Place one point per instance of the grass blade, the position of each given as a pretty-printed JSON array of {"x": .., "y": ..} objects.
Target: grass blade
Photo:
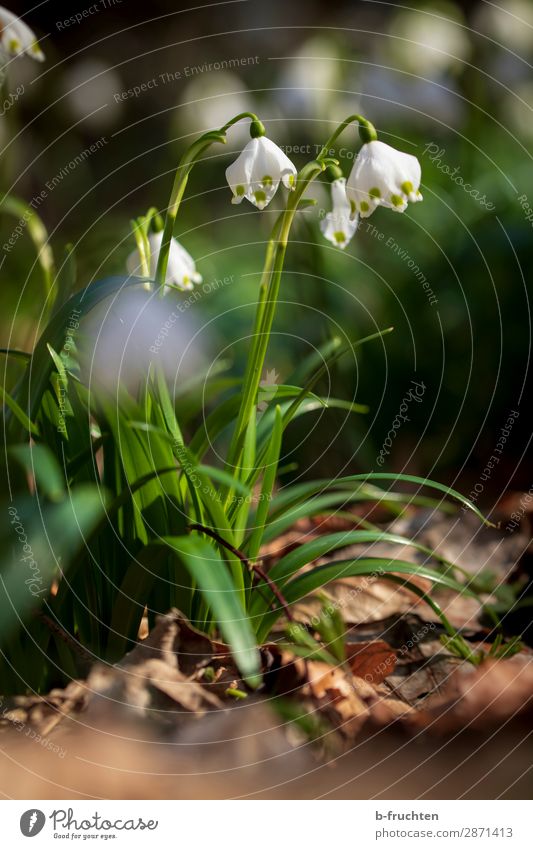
[{"x": 213, "y": 579}]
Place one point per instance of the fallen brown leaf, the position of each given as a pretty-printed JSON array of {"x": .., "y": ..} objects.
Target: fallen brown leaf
[
  {"x": 374, "y": 661},
  {"x": 484, "y": 697},
  {"x": 175, "y": 641},
  {"x": 361, "y": 600}
]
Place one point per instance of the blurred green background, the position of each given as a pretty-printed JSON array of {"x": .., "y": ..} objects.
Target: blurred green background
[{"x": 448, "y": 82}]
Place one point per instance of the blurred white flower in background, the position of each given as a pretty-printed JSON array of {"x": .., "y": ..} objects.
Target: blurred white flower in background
[
  {"x": 16, "y": 37},
  {"x": 510, "y": 23},
  {"x": 121, "y": 337},
  {"x": 398, "y": 97},
  {"x": 258, "y": 171},
  {"x": 317, "y": 84},
  {"x": 383, "y": 176},
  {"x": 429, "y": 39},
  {"x": 181, "y": 269},
  {"x": 338, "y": 225},
  {"x": 89, "y": 87},
  {"x": 309, "y": 79},
  {"x": 209, "y": 99}
]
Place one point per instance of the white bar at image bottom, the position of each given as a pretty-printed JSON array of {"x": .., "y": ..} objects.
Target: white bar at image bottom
[{"x": 269, "y": 824}]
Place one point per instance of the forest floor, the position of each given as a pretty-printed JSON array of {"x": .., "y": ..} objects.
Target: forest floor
[{"x": 403, "y": 717}]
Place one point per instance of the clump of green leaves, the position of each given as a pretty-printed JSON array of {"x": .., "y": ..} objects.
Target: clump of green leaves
[
  {"x": 125, "y": 513},
  {"x": 499, "y": 650}
]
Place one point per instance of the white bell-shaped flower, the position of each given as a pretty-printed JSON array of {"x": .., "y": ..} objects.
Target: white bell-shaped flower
[
  {"x": 383, "y": 176},
  {"x": 16, "y": 37},
  {"x": 338, "y": 226},
  {"x": 257, "y": 172},
  {"x": 181, "y": 268}
]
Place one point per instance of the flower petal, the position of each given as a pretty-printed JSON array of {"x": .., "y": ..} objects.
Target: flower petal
[
  {"x": 257, "y": 172},
  {"x": 280, "y": 163},
  {"x": 339, "y": 230},
  {"x": 17, "y": 37},
  {"x": 338, "y": 225},
  {"x": 383, "y": 176},
  {"x": 238, "y": 173},
  {"x": 181, "y": 268}
]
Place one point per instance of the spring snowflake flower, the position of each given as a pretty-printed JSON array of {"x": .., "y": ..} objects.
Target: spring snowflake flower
[
  {"x": 257, "y": 172},
  {"x": 383, "y": 176},
  {"x": 181, "y": 269},
  {"x": 16, "y": 37},
  {"x": 338, "y": 226}
]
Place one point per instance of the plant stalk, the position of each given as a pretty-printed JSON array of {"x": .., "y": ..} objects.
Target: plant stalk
[
  {"x": 266, "y": 309},
  {"x": 183, "y": 170}
]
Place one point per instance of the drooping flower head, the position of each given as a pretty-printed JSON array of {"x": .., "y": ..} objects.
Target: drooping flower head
[
  {"x": 338, "y": 225},
  {"x": 383, "y": 176},
  {"x": 181, "y": 269},
  {"x": 259, "y": 169},
  {"x": 16, "y": 37}
]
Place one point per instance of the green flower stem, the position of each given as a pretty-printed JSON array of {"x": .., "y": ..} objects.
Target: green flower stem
[
  {"x": 39, "y": 236},
  {"x": 266, "y": 309},
  {"x": 367, "y": 133},
  {"x": 270, "y": 283},
  {"x": 143, "y": 248},
  {"x": 251, "y": 115},
  {"x": 183, "y": 170},
  {"x": 263, "y": 291}
]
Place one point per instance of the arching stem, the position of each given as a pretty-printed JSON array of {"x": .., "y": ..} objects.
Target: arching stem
[
  {"x": 185, "y": 166},
  {"x": 367, "y": 133}
]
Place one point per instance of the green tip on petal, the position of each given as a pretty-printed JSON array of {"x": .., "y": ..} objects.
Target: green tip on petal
[
  {"x": 364, "y": 206},
  {"x": 374, "y": 193},
  {"x": 339, "y": 236},
  {"x": 266, "y": 180},
  {"x": 407, "y": 187},
  {"x": 260, "y": 197},
  {"x": 239, "y": 191},
  {"x": 397, "y": 200},
  {"x": 353, "y": 206}
]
